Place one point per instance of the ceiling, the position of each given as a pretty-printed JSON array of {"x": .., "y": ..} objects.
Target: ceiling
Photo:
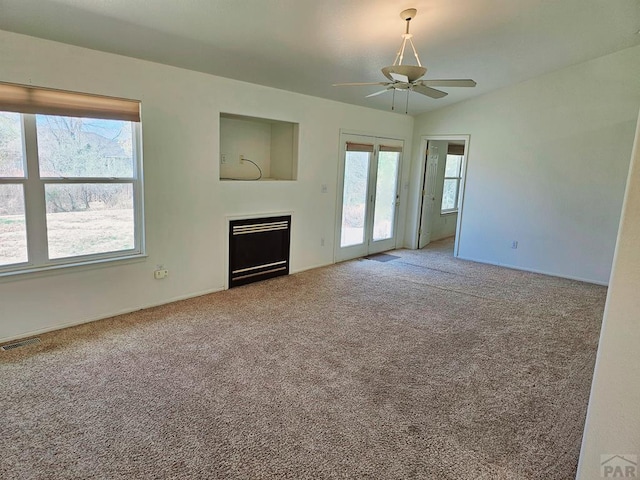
[{"x": 307, "y": 45}]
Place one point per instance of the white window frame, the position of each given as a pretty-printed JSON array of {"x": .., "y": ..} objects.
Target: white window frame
[
  {"x": 35, "y": 208},
  {"x": 458, "y": 179}
]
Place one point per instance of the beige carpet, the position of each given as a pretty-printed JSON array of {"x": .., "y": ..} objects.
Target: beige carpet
[{"x": 419, "y": 367}]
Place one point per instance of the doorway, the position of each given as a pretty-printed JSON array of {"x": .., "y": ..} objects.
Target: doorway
[
  {"x": 443, "y": 171},
  {"x": 369, "y": 190}
]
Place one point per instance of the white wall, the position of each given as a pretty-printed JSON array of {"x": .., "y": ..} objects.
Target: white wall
[
  {"x": 613, "y": 418},
  {"x": 186, "y": 204},
  {"x": 248, "y": 138},
  {"x": 284, "y": 147},
  {"x": 547, "y": 165}
]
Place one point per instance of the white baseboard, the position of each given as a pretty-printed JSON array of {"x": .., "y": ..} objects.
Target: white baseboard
[
  {"x": 320, "y": 265},
  {"x": 62, "y": 326},
  {"x": 532, "y": 270}
]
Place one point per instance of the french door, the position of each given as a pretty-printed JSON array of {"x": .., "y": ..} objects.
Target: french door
[{"x": 370, "y": 193}]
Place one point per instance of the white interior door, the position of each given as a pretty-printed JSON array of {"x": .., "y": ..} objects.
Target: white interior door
[
  {"x": 429, "y": 186},
  {"x": 369, "y": 195}
]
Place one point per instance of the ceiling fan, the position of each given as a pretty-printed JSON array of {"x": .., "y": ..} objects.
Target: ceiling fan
[{"x": 408, "y": 77}]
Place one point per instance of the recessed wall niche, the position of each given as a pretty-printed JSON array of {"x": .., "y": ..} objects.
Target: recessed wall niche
[{"x": 253, "y": 148}]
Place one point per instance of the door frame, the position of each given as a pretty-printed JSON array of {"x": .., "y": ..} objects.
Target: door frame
[
  {"x": 376, "y": 139},
  {"x": 422, "y": 152}
]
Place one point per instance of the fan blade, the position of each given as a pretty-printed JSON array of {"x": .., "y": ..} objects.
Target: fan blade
[
  {"x": 429, "y": 92},
  {"x": 449, "y": 83},
  {"x": 379, "y": 92},
  {"x": 358, "y": 84},
  {"x": 399, "y": 78}
]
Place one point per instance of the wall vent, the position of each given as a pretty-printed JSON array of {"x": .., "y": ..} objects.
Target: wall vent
[{"x": 22, "y": 343}]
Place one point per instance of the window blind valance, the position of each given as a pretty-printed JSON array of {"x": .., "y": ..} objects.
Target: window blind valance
[
  {"x": 359, "y": 147},
  {"x": 454, "y": 149},
  {"x": 387, "y": 148},
  {"x": 25, "y": 99},
  {"x": 365, "y": 147}
]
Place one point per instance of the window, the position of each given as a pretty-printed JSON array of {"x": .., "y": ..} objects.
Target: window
[
  {"x": 451, "y": 186},
  {"x": 70, "y": 178}
]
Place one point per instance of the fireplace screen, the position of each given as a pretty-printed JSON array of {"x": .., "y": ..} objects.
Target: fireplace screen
[{"x": 258, "y": 249}]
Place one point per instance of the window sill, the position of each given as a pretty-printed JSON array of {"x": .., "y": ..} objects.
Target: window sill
[
  {"x": 452, "y": 212},
  {"x": 76, "y": 266}
]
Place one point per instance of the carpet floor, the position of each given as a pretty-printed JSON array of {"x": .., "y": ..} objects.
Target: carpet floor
[{"x": 422, "y": 367}]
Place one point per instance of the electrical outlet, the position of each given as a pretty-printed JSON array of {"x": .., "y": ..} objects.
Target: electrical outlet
[
  {"x": 241, "y": 158},
  {"x": 223, "y": 158},
  {"x": 160, "y": 274},
  {"x": 324, "y": 188},
  {"x": 514, "y": 244},
  {"x": 322, "y": 242}
]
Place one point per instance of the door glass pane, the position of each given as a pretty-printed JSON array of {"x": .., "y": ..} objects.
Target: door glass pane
[
  {"x": 84, "y": 147},
  {"x": 84, "y": 219},
  {"x": 449, "y": 194},
  {"x": 386, "y": 189},
  {"x": 11, "y": 159},
  {"x": 13, "y": 231},
  {"x": 354, "y": 198}
]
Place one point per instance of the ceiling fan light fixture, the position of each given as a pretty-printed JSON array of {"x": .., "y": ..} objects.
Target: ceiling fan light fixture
[
  {"x": 412, "y": 72},
  {"x": 408, "y": 77}
]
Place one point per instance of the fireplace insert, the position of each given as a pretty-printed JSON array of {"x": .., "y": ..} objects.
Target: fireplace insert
[{"x": 258, "y": 249}]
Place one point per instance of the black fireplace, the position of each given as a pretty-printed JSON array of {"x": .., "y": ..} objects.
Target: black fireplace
[{"x": 258, "y": 249}]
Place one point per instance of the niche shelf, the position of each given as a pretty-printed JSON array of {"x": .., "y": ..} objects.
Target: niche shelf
[{"x": 271, "y": 144}]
